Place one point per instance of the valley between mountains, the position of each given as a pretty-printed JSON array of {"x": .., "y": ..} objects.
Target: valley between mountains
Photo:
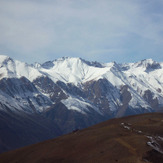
[{"x": 43, "y": 101}]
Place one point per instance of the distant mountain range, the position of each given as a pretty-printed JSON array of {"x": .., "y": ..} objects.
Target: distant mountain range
[{"x": 66, "y": 94}]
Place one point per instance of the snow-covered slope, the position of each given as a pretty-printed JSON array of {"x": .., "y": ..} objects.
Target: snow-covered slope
[
  {"x": 71, "y": 93},
  {"x": 10, "y": 68},
  {"x": 78, "y": 84},
  {"x": 140, "y": 77},
  {"x": 72, "y": 70}
]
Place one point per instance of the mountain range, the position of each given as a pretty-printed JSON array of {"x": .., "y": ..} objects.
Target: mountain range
[{"x": 43, "y": 101}]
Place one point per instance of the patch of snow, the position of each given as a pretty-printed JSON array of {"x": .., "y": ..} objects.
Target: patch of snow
[
  {"x": 125, "y": 126},
  {"x": 140, "y": 77},
  {"x": 79, "y": 105},
  {"x": 161, "y": 138},
  {"x": 154, "y": 144}
]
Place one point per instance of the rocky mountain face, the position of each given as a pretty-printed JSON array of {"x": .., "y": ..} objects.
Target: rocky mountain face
[{"x": 72, "y": 93}]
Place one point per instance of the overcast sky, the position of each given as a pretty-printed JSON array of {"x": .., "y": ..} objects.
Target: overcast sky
[{"x": 101, "y": 30}]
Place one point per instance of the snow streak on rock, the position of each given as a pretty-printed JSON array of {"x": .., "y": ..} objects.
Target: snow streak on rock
[{"x": 103, "y": 87}]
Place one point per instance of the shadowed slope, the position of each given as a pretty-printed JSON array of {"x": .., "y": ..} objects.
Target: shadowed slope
[
  {"x": 18, "y": 130},
  {"x": 124, "y": 140}
]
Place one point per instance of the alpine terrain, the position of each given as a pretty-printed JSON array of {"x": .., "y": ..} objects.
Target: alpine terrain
[{"x": 43, "y": 101}]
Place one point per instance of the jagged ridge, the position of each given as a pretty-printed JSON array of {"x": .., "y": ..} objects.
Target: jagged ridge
[{"x": 75, "y": 93}]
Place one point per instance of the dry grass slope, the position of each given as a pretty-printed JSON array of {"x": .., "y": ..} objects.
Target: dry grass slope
[{"x": 121, "y": 140}]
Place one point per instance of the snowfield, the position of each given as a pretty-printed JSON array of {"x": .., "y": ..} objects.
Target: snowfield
[{"x": 139, "y": 77}]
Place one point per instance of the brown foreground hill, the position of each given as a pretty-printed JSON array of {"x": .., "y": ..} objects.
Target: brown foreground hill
[{"x": 134, "y": 139}]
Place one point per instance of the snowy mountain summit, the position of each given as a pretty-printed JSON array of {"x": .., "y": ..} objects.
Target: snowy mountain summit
[
  {"x": 88, "y": 82},
  {"x": 67, "y": 88},
  {"x": 66, "y": 94}
]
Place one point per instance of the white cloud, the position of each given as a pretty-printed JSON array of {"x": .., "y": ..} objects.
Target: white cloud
[{"x": 89, "y": 29}]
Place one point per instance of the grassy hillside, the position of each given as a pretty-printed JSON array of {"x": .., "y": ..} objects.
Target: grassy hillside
[{"x": 121, "y": 140}]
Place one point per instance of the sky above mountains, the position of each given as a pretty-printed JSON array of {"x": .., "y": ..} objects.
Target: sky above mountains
[{"x": 103, "y": 30}]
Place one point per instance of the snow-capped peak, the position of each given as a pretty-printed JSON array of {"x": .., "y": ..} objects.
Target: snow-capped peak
[
  {"x": 148, "y": 64},
  {"x": 4, "y": 59},
  {"x": 10, "y": 68},
  {"x": 73, "y": 70},
  {"x": 139, "y": 77}
]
